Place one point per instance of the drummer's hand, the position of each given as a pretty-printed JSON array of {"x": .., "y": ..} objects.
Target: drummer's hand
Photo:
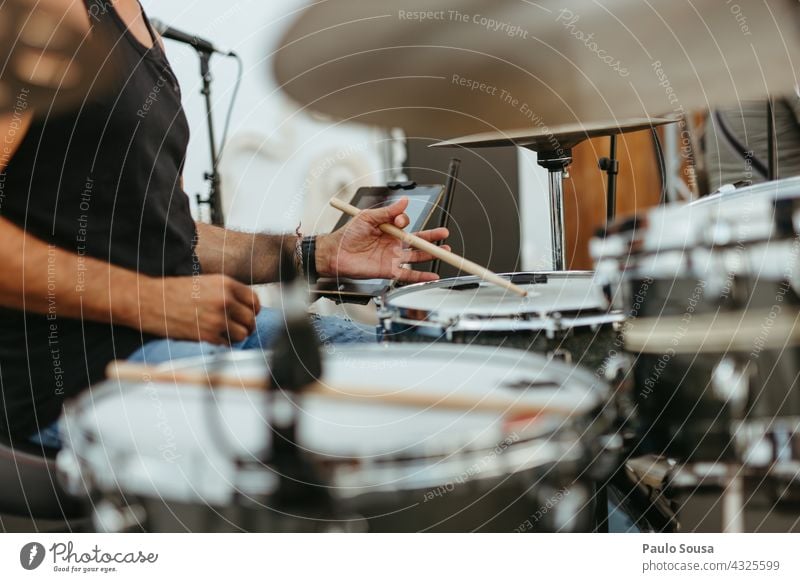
[
  {"x": 210, "y": 308},
  {"x": 360, "y": 249}
]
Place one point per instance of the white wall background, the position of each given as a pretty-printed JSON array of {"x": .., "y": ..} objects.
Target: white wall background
[
  {"x": 281, "y": 165},
  {"x": 534, "y": 202}
]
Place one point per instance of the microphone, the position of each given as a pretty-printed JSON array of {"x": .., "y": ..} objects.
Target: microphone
[{"x": 200, "y": 44}]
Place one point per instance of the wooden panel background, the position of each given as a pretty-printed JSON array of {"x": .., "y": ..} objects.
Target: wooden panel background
[{"x": 638, "y": 187}]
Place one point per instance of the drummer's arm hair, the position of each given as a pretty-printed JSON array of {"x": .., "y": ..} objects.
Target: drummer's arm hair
[
  {"x": 250, "y": 258},
  {"x": 42, "y": 278}
]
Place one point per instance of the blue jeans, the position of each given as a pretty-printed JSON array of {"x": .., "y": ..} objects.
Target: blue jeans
[{"x": 268, "y": 323}]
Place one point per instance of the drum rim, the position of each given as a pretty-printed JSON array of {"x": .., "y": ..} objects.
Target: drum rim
[
  {"x": 80, "y": 410},
  {"x": 776, "y": 187},
  {"x": 384, "y": 348},
  {"x": 539, "y": 320},
  {"x": 472, "y": 278}
]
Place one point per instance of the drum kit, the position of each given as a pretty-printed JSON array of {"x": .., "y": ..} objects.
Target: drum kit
[{"x": 669, "y": 369}]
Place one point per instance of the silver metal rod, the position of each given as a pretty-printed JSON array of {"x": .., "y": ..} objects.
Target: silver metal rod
[
  {"x": 557, "y": 217},
  {"x": 733, "y": 502}
]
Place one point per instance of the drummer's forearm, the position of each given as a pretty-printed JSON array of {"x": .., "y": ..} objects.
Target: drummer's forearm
[{"x": 251, "y": 258}]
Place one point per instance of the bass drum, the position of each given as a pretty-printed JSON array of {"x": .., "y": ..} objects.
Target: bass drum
[
  {"x": 178, "y": 456},
  {"x": 565, "y": 315}
]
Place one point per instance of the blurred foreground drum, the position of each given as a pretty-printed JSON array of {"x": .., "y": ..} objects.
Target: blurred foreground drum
[
  {"x": 710, "y": 290},
  {"x": 167, "y": 456},
  {"x": 565, "y": 315}
]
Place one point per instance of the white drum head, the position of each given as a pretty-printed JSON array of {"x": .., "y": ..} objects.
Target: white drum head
[
  {"x": 183, "y": 441},
  {"x": 468, "y": 296}
]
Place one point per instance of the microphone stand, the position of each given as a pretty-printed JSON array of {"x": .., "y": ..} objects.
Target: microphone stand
[{"x": 214, "y": 197}]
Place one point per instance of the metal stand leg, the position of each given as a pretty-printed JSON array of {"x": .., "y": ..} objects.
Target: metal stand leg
[
  {"x": 557, "y": 218},
  {"x": 733, "y": 502},
  {"x": 772, "y": 141},
  {"x": 214, "y": 198},
  {"x": 447, "y": 203},
  {"x": 600, "y": 507},
  {"x": 610, "y": 166},
  {"x": 556, "y": 163}
]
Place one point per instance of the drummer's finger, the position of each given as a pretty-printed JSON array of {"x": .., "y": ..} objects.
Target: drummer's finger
[
  {"x": 434, "y": 234},
  {"x": 413, "y": 256},
  {"x": 410, "y": 276}
]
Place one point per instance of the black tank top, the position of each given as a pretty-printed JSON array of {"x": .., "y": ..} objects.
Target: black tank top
[{"x": 105, "y": 182}]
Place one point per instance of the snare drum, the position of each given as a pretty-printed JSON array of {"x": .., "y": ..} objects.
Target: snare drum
[
  {"x": 565, "y": 315},
  {"x": 710, "y": 290},
  {"x": 167, "y": 457}
]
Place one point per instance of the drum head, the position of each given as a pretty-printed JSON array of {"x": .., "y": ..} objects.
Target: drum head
[
  {"x": 185, "y": 440},
  {"x": 562, "y": 292}
]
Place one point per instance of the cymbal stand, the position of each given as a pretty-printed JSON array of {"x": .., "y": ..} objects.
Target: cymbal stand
[
  {"x": 447, "y": 202},
  {"x": 556, "y": 163},
  {"x": 610, "y": 165},
  {"x": 772, "y": 141}
]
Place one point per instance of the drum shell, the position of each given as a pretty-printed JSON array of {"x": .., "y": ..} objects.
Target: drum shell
[
  {"x": 679, "y": 411},
  {"x": 585, "y": 346},
  {"x": 500, "y": 506},
  {"x": 392, "y": 492},
  {"x": 584, "y": 338}
]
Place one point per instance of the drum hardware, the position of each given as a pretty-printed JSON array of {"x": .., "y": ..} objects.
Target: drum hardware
[
  {"x": 772, "y": 141},
  {"x": 610, "y": 165},
  {"x": 447, "y": 203},
  {"x": 730, "y": 382},
  {"x": 296, "y": 365},
  {"x": 733, "y": 503},
  {"x": 446, "y": 256},
  {"x": 643, "y": 502},
  {"x": 711, "y": 292},
  {"x": 668, "y": 480},
  {"x": 561, "y": 355},
  {"x": 109, "y": 517},
  {"x": 553, "y": 146}
]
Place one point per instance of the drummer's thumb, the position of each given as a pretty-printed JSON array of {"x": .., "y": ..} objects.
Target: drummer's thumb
[{"x": 392, "y": 214}]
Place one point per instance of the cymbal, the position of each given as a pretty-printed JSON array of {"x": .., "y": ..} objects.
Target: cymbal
[
  {"x": 49, "y": 58},
  {"x": 552, "y": 138},
  {"x": 440, "y": 68}
]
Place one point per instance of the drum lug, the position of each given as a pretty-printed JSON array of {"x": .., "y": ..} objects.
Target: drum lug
[
  {"x": 616, "y": 368},
  {"x": 385, "y": 317},
  {"x": 563, "y": 355},
  {"x": 731, "y": 384},
  {"x": 112, "y": 519},
  {"x": 567, "y": 511},
  {"x": 69, "y": 474}
]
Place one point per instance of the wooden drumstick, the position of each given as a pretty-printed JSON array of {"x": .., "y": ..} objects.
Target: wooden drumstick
[
  {"x": 505, "y": 405},
  {"x": 438, "y": 252}
]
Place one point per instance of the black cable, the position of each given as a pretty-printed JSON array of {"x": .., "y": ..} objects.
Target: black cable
[{"x": 237, "y": 85}]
